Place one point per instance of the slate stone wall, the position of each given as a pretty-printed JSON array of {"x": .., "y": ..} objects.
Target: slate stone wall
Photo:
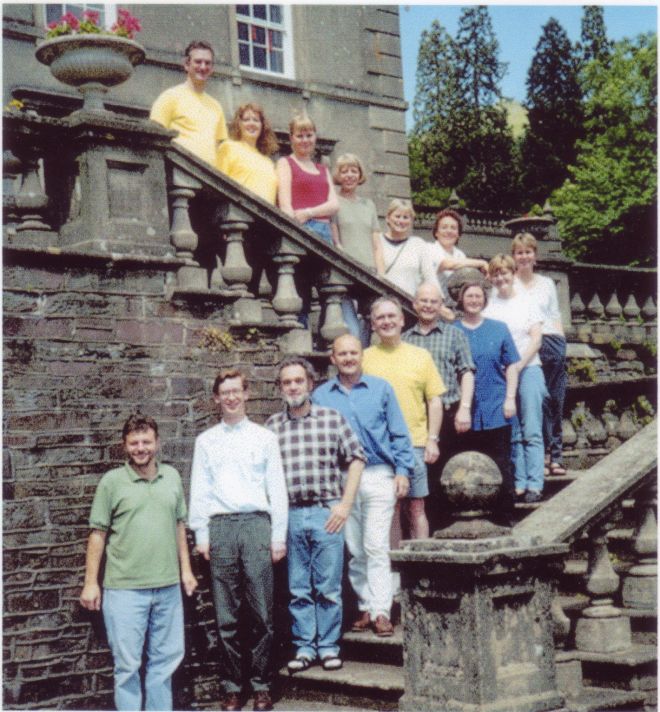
[{"x": 85, "y": 345}]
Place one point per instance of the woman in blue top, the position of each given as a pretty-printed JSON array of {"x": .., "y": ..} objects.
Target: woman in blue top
[{"x": 495, "y": 384}]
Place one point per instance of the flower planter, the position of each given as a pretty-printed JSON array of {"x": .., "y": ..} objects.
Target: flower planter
[{"x": 92, "y": 62}]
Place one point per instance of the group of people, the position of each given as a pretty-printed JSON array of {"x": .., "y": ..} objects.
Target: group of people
[{"x": 353, "y": 462}]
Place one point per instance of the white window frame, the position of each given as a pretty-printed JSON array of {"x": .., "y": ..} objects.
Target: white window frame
[
  {"x": 109, "y": 11},
  {"x": 286, "y": 29}
]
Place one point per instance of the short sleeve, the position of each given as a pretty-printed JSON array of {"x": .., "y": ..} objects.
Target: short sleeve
[
  {"x": 375, "y": 225},
  {"x": 161, "y": 110},
  {"x": 509, "y": 352},
  {"x": 101, "y": 513},
  {"x": 434, "y": 385}
]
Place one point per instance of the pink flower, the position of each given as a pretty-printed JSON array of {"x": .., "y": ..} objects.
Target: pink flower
[
  {"x": 92, "y": 16},
  {"x": 52, "y": 25},
  {"x": 71, "y": 20}
]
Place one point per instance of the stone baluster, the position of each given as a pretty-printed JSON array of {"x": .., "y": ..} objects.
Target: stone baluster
[
  {"x": 287, "y": 302},
  {"x": 182, "y": 236},
  {"x": 579, "y": 318},
  {"x": 649, "y": 314},
  {"x": 640, "y": 585},
  {"x": 31, "y": 201},
  {"x": 332, "y": 290},
  {"x": 614, "y": 312},
  {"x": 601, "y": 627},
  {"x": 600, "y": 331},
  {"x": 631, "y": 313},
  {"x": 235, "y": 271},
  {"x": 11, "y": 174}
]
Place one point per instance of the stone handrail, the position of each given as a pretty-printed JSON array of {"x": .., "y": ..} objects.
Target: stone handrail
[
  {"x": 100, "y": 183},
  {"x": 591, "y": 497}
]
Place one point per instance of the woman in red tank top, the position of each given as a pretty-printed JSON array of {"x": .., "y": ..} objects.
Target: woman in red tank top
[{"x": 305, "y": 189}]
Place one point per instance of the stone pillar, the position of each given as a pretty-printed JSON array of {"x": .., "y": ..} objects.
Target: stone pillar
[
  {"x": 118, "y": 202},
  {"x": 236, "y": 272},
  {"x": 332, "y": 290},
  {"x": 182, "y": 236},
  {"x": 640, "y": 584},
  {"x": 601, "y": 627},
  {"x": 476, "y": 610}
]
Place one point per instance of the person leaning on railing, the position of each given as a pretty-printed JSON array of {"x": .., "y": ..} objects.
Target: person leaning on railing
[
  {"x": 245, "y": 156},
  {"x": 355, "y": 230}
]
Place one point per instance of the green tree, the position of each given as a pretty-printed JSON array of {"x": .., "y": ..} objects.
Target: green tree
[
  {"x": 593, "y": 37},
  {"x": 554, "y": 104},
  {"x": 461, "y": 137},
  {"x": 607, "y": 208}
]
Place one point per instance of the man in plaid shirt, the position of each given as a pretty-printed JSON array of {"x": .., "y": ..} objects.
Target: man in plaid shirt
[{"x": 317, "y": 447}]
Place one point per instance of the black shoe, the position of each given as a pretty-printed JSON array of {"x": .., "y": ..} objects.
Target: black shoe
[
  {"x": 531, "y": 497},
  {"x": 231, "y": 702}
]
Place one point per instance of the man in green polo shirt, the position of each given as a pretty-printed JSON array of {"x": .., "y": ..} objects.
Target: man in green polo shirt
[{"x": 137, "y": 518}]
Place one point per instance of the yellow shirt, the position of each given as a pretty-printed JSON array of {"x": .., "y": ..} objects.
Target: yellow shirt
[
  {"x": 247, "y": 166},
  {"x": 198, "y": 118},
  {"x": 411, "y": 372}
]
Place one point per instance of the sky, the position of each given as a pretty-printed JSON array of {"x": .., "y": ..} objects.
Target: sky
[{"x": 518, "y": 30}]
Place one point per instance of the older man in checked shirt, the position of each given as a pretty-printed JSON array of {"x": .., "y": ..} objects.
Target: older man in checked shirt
[{"x": 316, "y": 444}]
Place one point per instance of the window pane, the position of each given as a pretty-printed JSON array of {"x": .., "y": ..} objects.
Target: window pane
[
  {"x": 259, "y": 11},
  {"x": 244, "y": 53},
  {"x": 260, "y": 57},
  {"x": 243, "y": 10},
  {"x": 276, "y": 62},
  {"x": 275, "y": 39},
  {"x": 53, "y": 13},
  {"x": 243, "y": 32},
  {"x": 258, "y": 35},
  {"x": 276, "y": 13}
]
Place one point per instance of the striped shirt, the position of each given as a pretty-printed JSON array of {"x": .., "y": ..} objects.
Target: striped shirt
[{"x": 315, "y": 448}]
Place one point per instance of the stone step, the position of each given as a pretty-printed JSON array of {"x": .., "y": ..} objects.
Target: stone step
[
  {"x": 595, "y": 699},
  {"x": 359, "y": 684}
]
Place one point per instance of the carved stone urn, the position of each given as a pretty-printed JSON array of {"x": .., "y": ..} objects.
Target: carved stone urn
[{"x": 91, "y": 62}]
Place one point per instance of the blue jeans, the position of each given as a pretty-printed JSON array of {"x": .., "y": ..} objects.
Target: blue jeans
[
  {"x": 527, "y": 431},
  {"x": 130, "y": 615},
  {"x": 315, "y": 564},
  {"x": 349, "y": 314},
  {"x": 322, "y": 229}
]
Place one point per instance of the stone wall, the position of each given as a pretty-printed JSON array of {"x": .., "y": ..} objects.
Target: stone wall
[{"x": 86, "y": 343}]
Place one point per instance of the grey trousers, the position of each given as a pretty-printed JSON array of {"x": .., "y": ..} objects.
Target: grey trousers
[{"x": 242, "y": 573}]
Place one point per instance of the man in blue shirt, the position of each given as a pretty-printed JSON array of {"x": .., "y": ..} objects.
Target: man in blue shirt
[{"x": 369, "y": 405}]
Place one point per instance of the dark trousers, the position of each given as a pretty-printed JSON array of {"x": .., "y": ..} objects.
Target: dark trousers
[
  {"x": 242, "y": 573},
  {"x": 553, "y": 361}
]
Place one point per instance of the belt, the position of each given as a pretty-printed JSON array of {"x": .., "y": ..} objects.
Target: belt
[{"x": 308, "y": 503}]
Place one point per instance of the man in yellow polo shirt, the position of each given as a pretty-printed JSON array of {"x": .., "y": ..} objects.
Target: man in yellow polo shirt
[
  {"x": 411, "y": 372},
  {"x": 188, "y": 109}
]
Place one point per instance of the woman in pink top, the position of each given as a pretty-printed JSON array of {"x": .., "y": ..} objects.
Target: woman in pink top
[{"x": 305, "y": 190}]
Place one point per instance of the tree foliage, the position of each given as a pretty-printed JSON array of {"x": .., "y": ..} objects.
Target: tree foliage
[
  {"x": 607, "y": 208},
  {"x": 554, "y": 104},
  {"x": 593, "y": 37}
]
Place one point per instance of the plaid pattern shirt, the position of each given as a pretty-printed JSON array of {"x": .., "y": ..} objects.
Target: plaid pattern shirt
[
  {"x": 314, "y": 450},
  {"x": 451, "y": 353}
]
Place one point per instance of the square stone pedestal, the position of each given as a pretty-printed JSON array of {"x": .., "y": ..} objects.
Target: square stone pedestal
[{"x": 477, "y": 625}]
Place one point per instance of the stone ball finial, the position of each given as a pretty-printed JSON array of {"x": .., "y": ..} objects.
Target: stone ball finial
[
  {"x": 461, "y": 276},
  {"x": 471, "y": 483}
]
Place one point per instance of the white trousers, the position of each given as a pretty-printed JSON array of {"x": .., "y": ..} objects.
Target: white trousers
[{"x": 368, "y": 540}]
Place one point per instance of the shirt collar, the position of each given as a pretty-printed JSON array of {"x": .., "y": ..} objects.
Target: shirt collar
[
  {"x": 313, "y": 412},
  {"x": 232, "y": 428},
  {"x": 135, "y": 477},
  {"x": 439, "y": 327},
  {"x": 337, "y": 385}
]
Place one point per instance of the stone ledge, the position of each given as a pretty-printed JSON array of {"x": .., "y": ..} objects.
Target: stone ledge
[{"x": 636, "y": 655}]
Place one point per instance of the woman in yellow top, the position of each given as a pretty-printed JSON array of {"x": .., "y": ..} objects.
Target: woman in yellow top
[{"x": 245, "y": 156}]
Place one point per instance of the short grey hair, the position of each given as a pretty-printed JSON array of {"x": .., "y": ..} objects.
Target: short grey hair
[
  {"x": 384, "y": 300},
  {"x": 297, "y": 361}
]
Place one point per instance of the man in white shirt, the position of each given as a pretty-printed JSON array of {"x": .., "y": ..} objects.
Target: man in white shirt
[{"x": 239, "y": 511}]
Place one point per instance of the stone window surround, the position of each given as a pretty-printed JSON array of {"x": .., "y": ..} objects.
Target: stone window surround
[{"x": 285, "y": 28}]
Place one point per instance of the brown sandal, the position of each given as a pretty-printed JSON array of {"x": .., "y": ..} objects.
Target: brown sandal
[{"x": 557, "y": 469}]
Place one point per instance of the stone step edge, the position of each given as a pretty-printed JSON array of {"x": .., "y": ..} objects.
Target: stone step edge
[
  {"x": 593, "y": 699},
  {"x": 387, "y": 679}
]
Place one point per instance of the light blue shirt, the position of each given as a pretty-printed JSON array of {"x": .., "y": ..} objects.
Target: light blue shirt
[
  {"x": 237, "y": 468},
  {"x": 373, "y": 412}
]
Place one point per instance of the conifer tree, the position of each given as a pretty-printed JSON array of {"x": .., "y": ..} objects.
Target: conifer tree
[
  {"x": 593, "y": 37},
  {"x": 554, "y": 104}
]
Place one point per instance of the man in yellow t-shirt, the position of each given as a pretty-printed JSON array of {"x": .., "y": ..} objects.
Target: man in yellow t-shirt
[
  {"x": 188, "y": 109},
  {"x": 413, "y": 375}
]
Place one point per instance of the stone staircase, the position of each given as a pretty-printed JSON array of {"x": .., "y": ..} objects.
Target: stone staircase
[{"x": 373, "y": 674}]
